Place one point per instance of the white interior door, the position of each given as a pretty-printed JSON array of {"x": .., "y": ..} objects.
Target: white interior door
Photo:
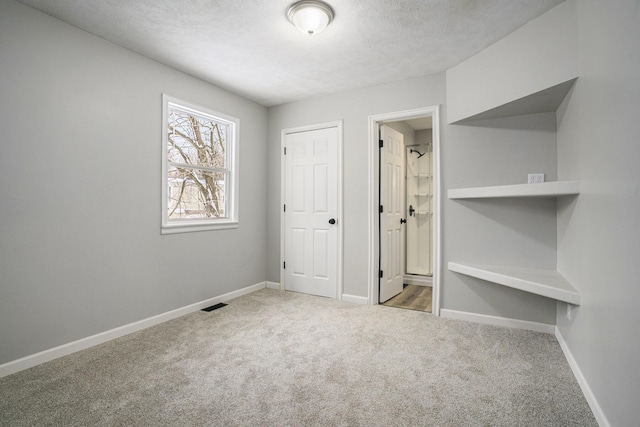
[
  {"x": 311, "y": 209},
  {"x": 392, "y": 219}
]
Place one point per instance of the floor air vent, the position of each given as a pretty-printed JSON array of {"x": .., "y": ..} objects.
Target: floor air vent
[{"x": 214, "y": 307}]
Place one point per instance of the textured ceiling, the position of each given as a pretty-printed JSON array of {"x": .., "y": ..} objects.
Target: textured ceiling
[{"x": 249, "y": 47}]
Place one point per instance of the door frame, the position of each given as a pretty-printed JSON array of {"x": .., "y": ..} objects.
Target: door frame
[
  {"x": 374, "y": 199},
  {"x": 339, "y": 215}
]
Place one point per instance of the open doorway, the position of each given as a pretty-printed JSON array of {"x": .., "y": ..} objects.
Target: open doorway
[
  {"x": 404, "y": 233},
  {"x": 414, "y": 249}
]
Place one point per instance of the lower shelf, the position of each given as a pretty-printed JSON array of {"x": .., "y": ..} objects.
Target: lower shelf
[{"x": 548, "y": 283}]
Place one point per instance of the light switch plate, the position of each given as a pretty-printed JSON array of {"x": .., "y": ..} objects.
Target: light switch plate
[{"x": 536, "y": 178}]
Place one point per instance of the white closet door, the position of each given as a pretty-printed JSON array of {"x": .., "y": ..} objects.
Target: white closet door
[{"x": 311, "y": 222}]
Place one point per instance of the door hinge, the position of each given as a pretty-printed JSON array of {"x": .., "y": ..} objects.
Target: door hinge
[
  {"x": 381, "y": 274},
  {"x": 381, "y": 143},
  {"x": 285, "y": 151},
  {"x": 381, "y": 209},
  {"x": 285, "y": 208},
  {"x": 284, "y": 264}
]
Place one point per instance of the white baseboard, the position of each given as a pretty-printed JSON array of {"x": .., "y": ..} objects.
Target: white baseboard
[
  {"x": 498, "y": 321},
  {"x": 355, "y": 299},
  {"x": 84, "y": 343},
  {"x": 584, "y": 386},
  {"x": 412, "y": 279},
  {"x": 274, "y": 285}
]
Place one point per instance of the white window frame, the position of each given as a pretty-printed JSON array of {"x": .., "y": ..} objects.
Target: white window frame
[{"x": 231, "y": 187}]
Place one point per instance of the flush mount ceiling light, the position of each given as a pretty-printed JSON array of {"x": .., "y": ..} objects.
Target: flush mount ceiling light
[{"x": 310, "y": 16}]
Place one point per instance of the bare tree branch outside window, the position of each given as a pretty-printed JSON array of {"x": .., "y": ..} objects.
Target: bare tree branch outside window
[{"x": 197, "y": 169}]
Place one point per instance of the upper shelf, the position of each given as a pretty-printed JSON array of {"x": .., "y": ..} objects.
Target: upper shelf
[
  {"x": 545, "y": 189},
  {"x": 527, "y": 72},
  {"x": 548, "y": 283},
  {"x": 544, "y": 101}
]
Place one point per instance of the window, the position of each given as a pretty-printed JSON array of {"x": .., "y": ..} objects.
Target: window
[{"x": 199, "y": 168}]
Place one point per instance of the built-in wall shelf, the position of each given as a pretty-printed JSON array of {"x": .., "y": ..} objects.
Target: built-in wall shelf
[
  {"x": 545, "y": 189},
  {"x": 548, "y": 283},
  {"x": 547, "y": 100}
]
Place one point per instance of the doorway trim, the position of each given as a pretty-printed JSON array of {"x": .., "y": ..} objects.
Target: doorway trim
[
  {"x": 340, "y": 216},
  {"x": 374, "y": 198}
]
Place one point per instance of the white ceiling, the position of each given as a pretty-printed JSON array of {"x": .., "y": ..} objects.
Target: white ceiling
[
  {"x": 250, "y": 48},
  {"x": 421, "y": 123}
]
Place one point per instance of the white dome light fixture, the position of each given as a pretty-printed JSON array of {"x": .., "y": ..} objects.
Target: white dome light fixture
[{"x": 310, "y": 16}]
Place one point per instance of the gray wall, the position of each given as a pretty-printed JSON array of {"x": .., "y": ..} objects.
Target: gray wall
[
  {"x": 513, "y": 232},
  {"x": 354, "y": 107},
  {"x": 536, "y": 56},
  {"x": 80, "y": 187},
  {"x": 80, "y": 149},
  {"x": 599, "y": 231},
  {"x": 488, "y": 153}
]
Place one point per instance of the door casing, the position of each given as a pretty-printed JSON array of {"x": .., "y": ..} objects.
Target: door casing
[
  {"x": 339, "y": 125},
  {"x": 374, "y": 199}
]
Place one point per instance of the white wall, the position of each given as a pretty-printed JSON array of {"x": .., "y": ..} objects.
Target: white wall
[
  {"x": 424, "y": 136},
  {"x": 409, "y": 135},
  {"x": 599, "y": 232},
  {"x": 80, "y": 187}
]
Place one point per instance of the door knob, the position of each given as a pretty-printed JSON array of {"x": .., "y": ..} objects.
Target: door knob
[
  {"x": 403, "y": 221},
  {"x": 332, "y": 221}
]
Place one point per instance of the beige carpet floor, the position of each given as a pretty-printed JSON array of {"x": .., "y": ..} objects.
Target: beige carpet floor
[{"x": 276, "y": 358}]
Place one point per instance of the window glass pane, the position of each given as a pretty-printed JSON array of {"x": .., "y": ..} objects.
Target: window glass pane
[
  {"x": 196, "y": 140},
  {"x": 196, "y": 194}
]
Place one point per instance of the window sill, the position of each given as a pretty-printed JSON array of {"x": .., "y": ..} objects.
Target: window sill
[{"x": 189, "y": 227}]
